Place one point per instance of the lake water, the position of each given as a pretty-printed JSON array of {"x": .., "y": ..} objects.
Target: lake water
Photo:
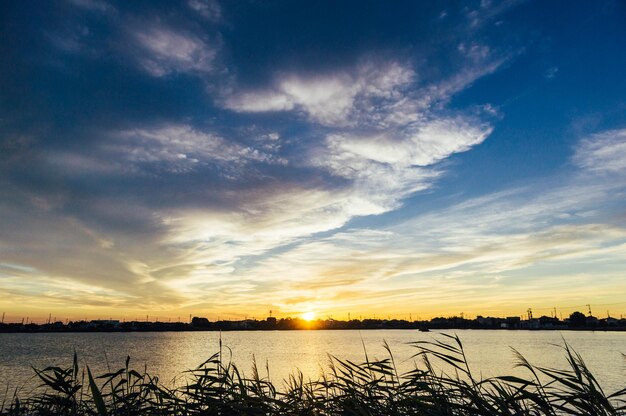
[{"x": 167, "y": 354}]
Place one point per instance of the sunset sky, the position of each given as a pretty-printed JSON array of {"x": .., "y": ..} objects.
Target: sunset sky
[{"x": 373, "y": 158}]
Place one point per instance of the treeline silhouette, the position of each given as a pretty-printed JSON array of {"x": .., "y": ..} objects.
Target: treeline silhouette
[{"x": 576, "y": 320}]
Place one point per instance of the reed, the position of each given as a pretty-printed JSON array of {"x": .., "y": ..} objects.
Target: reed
[{"x": 442, "y": 383}]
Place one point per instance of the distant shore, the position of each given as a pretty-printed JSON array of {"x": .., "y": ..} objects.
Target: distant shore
[{"x": 576, "y": 322}]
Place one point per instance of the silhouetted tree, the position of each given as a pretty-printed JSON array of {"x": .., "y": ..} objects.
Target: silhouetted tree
[
  {"x": 577, "y": 319},
  {"x": 200, "y": 322}
]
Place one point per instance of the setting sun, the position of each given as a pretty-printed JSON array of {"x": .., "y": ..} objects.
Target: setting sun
[{"x": 308, "y": 316}]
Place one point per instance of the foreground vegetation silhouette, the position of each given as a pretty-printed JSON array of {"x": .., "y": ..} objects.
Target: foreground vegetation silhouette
[{"x": 440, "y": 384}]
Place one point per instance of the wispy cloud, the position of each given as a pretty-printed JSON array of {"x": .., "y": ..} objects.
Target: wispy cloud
[
  {"x": 488, "y": 11},
  {"x": 333, "y": 99},
  {"x": 100, "y": 6},
  {"x": 169, "y": 148},
  {"x": 181, "y": 148},
  {"x": 209, "y": 9},
  {"x": 162, "y": 51},
  {"x": 603, "y": 152},
  {"x": 385, "y": 169}
]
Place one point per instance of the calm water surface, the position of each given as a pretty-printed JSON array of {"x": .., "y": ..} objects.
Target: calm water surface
[{"x": 170, "y": 353}]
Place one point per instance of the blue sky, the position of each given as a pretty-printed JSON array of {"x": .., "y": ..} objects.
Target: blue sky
[{"x": 228, "y": 158}]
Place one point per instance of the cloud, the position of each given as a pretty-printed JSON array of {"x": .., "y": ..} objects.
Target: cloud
[
  {"x": 93, "y": 5},
  {"x": 488, "y": 11},
  {"x": 551, "y": 72},
  {"x": 425, "y": 144},
  {"x": 171, "y": 148},
  {"x": 603, "y": 152},
  {"x": 385, "y": 169},
  {"x": 209, "y": 9},
  {"x": 334, "y": 99},
  {"x": 161, "y": 51},
  {"x": 158, "y": 46},
  {"x": 60, "y": 256},
  {"x": 182, "y": 148}
]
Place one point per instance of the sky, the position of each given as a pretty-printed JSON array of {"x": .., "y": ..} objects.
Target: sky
[{"x": 389, "y": 160}]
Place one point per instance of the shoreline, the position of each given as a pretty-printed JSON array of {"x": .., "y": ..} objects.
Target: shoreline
[{"x": 77, "y": 331}]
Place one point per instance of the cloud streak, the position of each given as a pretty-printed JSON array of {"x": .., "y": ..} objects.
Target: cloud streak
[
  {"x": 162, "y": 51},
  {"x": 342, "y": 98},
  {"x": 603, "y": 152}
]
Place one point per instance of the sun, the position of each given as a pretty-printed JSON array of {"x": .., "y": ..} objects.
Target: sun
[{"x": 308, "y": 316}]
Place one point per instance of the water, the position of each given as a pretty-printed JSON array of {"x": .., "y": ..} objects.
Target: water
[{"x": 170, "y": 353}]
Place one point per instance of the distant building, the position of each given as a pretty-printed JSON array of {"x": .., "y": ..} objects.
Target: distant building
[{"x": 548, "y": 322}]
